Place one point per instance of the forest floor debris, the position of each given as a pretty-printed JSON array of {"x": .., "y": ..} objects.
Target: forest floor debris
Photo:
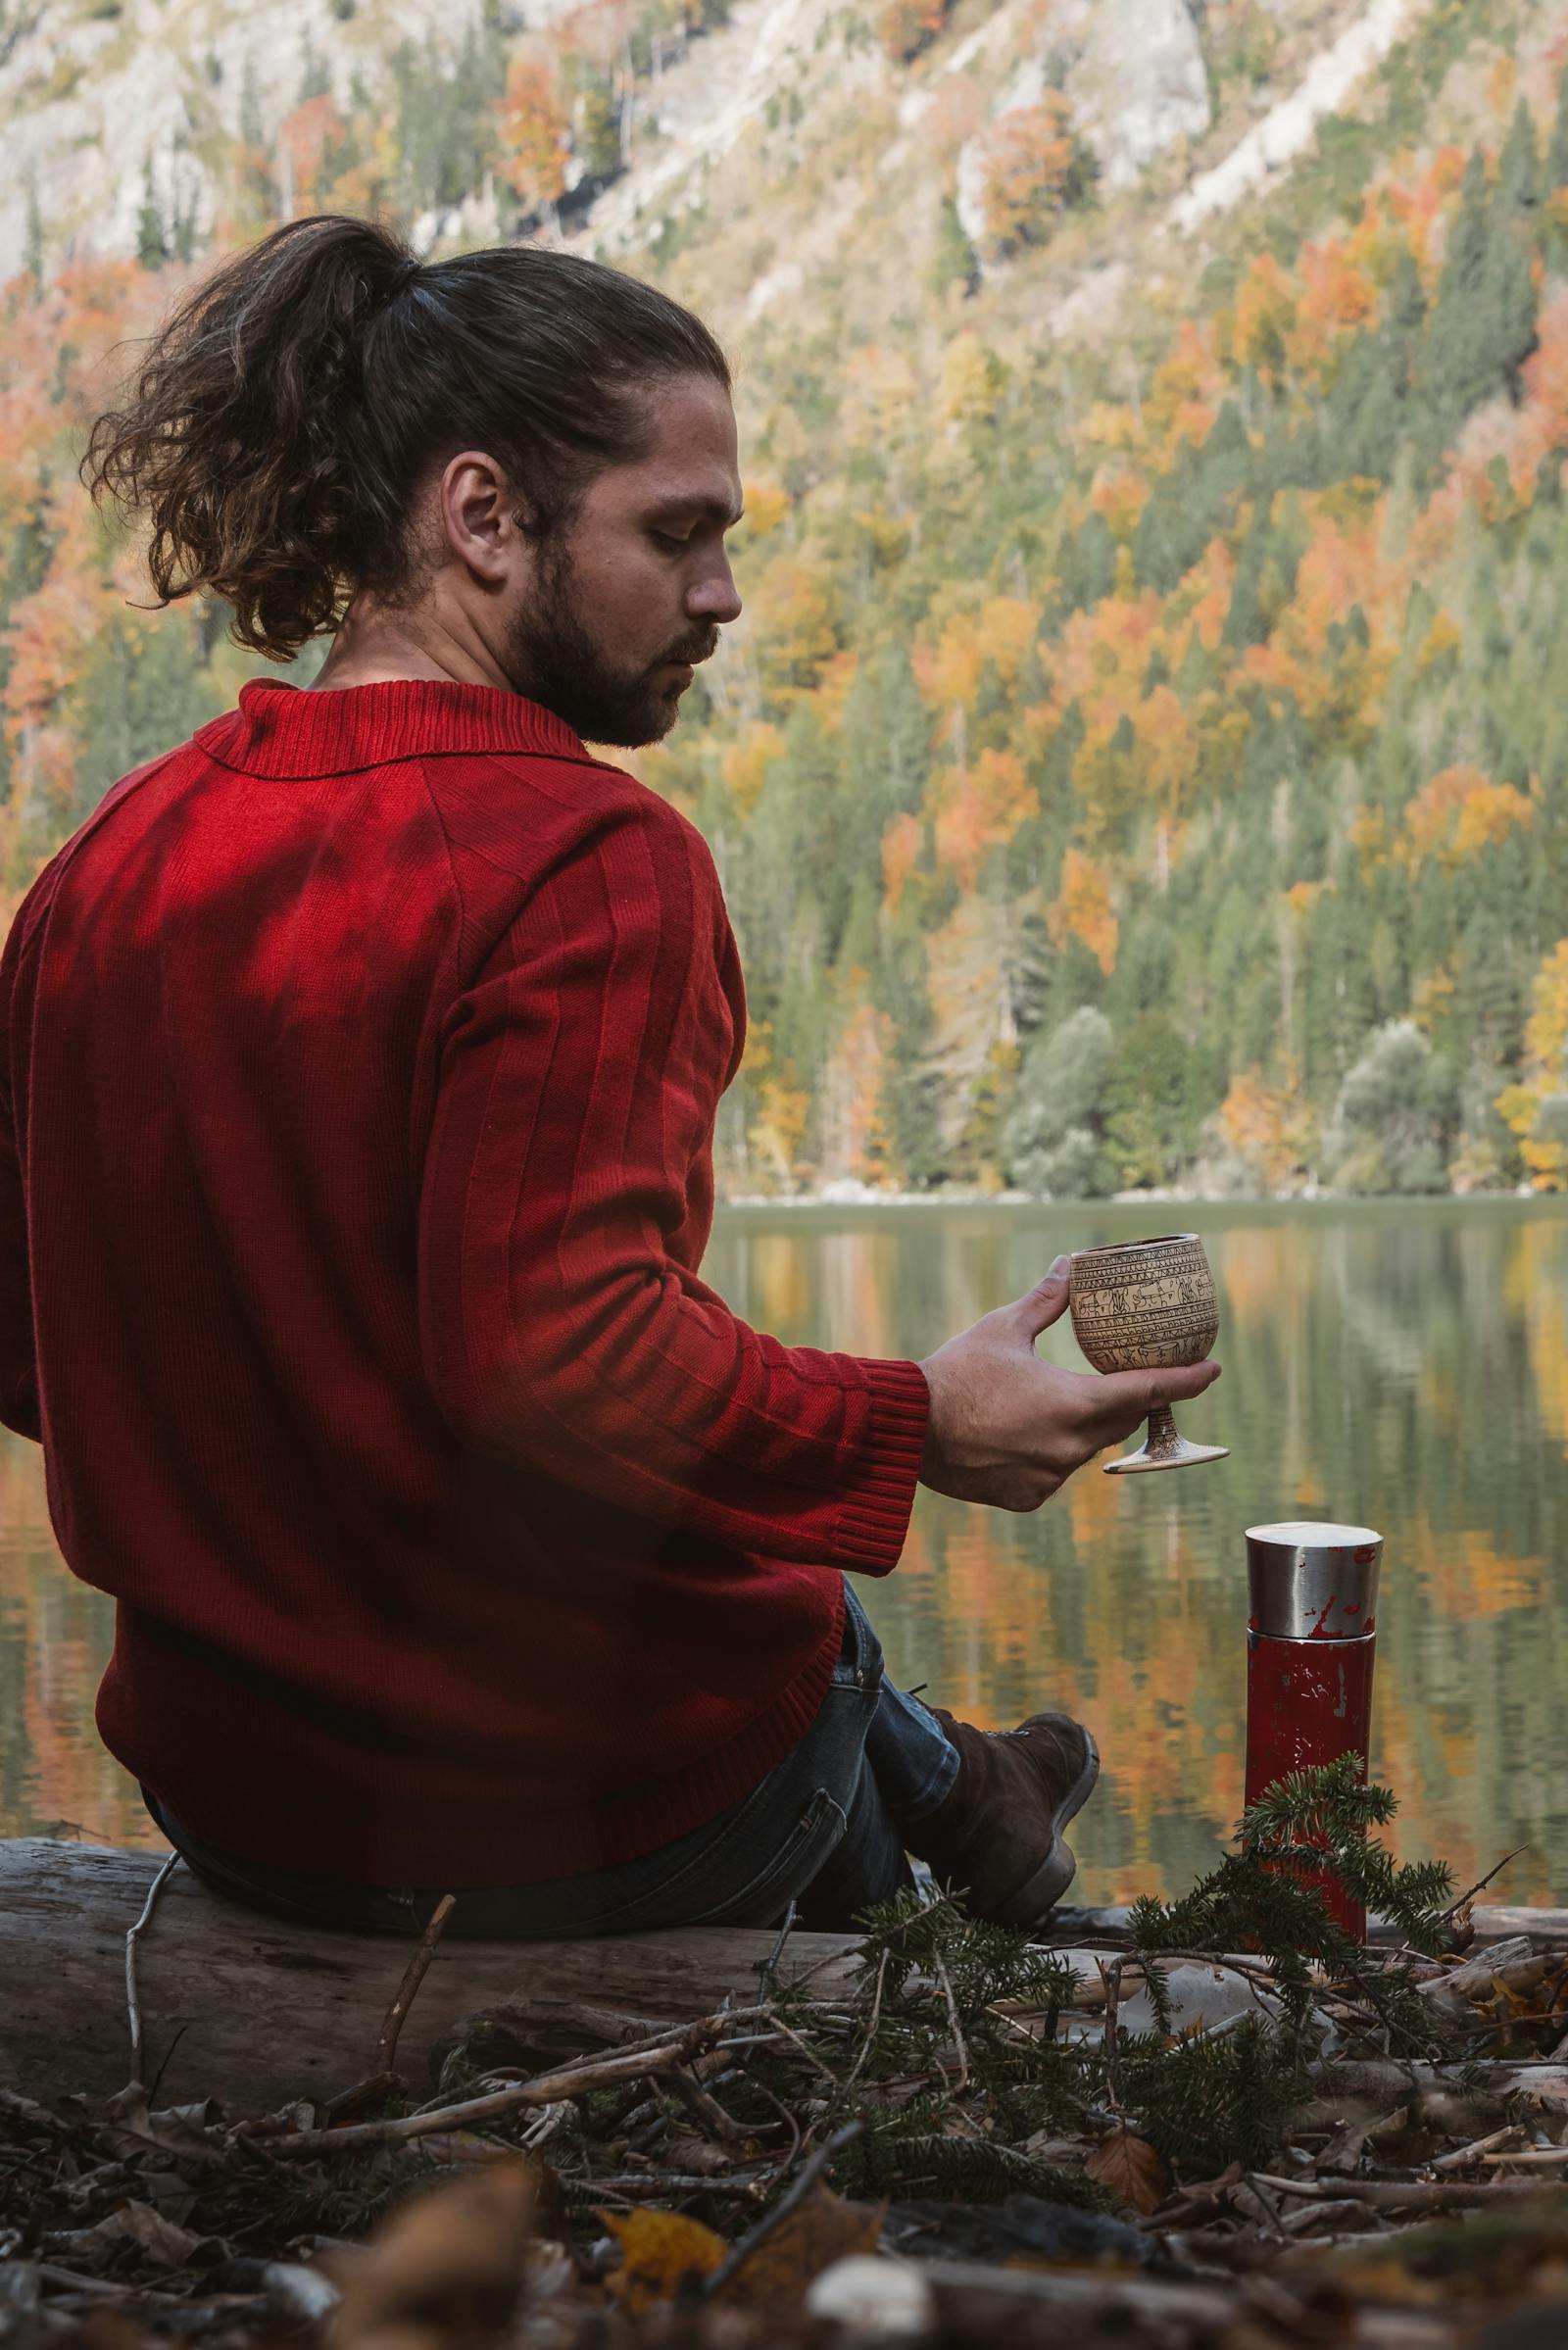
[{"x": 1231, "y": 2128}]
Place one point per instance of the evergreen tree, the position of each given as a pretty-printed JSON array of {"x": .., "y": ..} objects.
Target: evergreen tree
[
  {"x": 1557, "y": 148},
  {"x": 152, "y": 241},
  {"x": 1052, "y": 1142},
  {"x": 32, "y": 248},
  {"x": 1519, "y": 187},
  {"x": 1483, "y": 323},
  {"x": 953, "y": 261},
  {"x": 1387, "y": 1132}
]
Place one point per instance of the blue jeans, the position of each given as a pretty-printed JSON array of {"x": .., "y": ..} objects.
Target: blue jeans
[{"x": 825, "y": 1828}]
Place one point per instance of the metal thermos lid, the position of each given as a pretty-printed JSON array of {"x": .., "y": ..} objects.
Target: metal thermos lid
[{"x": 1313, "y": 1582}]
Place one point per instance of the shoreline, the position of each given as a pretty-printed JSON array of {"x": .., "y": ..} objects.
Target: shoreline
[{"x": 850, "y": 1194}]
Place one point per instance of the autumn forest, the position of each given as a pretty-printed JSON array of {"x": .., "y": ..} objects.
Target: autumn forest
[{"x": 1144, "y": 760}]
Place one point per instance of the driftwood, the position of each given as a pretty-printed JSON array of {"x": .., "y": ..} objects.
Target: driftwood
[{"x": 253, "y": 2012}]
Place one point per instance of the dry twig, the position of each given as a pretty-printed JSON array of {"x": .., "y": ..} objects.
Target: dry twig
[
  {"x": 386, "y": 2047},
  {"x": 133, "y": 2003}
]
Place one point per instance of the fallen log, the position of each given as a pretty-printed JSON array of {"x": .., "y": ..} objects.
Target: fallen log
[{"x": 254, "y": 2010}]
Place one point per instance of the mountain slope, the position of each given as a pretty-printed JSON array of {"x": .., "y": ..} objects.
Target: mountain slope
[{"x": 1141, "y": 759}]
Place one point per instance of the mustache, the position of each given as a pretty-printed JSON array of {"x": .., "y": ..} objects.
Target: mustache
[{"x": 695, "y": 649}]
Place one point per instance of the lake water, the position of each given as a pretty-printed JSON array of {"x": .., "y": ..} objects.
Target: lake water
[{"x": 1402, "y": 1365}]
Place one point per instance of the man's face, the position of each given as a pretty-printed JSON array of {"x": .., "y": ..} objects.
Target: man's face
[{"x": 638, "y": 584}]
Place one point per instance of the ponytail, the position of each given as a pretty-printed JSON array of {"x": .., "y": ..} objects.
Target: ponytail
[{"x": 283, "y": 418}]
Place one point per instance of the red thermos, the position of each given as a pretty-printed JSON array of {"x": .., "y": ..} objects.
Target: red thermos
[{"x": 1311, "y": 1636}]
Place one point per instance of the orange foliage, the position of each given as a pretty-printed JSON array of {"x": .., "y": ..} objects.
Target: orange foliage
[
  {"x": 309, "y": 136},
  {"x": 1032, "y": 169},
  {"x": 1336, "y": 297},
  {"x": 1268, "y": 1127},
  {"x": 1000, "y": 632},
  {"x": 1460, "y": 813},
  {"x": 907, "y": 27},
  {"x": 901, "y": 854},
  {"x": 855, "y": 1134},
  {"x": 532, "y": 125},
  {"x": 1119, "y": 499},
  {"x": 981, "y": 809},
  {"x": 1083, "y": 908}
]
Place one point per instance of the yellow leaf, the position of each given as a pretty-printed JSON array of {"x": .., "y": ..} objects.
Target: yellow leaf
[{"x": 657, "y": 2249}]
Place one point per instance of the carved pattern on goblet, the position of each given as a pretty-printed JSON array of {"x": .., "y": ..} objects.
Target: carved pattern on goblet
[{"x": 1145, "y": 1305}]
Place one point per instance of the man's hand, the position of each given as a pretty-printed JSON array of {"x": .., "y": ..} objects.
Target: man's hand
[{"x": 1008, "y": 1428}]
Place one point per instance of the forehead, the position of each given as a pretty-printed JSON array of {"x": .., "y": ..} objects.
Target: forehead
[{"x": 694, "y": 456}]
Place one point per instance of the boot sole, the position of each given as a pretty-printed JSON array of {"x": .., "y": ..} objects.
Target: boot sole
[{"x": 1041, "y": 1893}]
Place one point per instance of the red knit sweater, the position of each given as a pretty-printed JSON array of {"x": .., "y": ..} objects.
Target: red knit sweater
[{"x": 362, "y": 1058}]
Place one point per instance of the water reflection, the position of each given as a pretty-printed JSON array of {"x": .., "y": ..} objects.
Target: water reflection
[{"x": 1404, "y": 1365}]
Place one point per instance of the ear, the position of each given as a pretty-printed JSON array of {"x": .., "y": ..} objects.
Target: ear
[{"x": 482, "y": 518}]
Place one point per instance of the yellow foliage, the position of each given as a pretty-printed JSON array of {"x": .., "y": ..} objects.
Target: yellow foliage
[
  {"x": 793, "y": 620},
  {"x": 766, "y": 505},
  {"x": 1000, "y": 632},
  {"x": 1545, "y": 1072},
  {"x": 973, "y": 380},
  {"x": 779, "y": 1129},
  {"x": 1441, "y": 639},
  {"x": 657, "y": 2249},
  {"x": 1083, "y": 908},
  {"x": 1430, "y": 999},
  {"x": 745, "y": 764},
  {"x": 1460, "y": 813}
]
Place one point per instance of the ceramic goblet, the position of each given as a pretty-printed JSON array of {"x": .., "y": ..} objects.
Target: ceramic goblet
[{"x": 1146, "y": 1305}]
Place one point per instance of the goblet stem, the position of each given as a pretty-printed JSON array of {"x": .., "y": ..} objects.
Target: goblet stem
[
  {"x": 1165, "y": 1447},
  {"x": 1163, "y": 1443}
]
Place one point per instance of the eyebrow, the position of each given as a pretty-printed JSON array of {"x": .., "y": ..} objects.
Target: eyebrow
[{"x": 715, "y": 510}]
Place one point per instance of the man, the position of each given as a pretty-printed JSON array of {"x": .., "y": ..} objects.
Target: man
[{"x": 363, "y": 1056}]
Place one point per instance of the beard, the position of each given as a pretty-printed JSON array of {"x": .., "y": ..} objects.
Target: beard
[{"x": 555, "y": 661}]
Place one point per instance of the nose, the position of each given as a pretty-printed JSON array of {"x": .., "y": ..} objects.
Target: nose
[{"x": 714, "y": 596}]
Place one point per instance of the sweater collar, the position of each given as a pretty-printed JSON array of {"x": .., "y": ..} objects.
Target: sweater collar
[{"x": 291, "y": 731}]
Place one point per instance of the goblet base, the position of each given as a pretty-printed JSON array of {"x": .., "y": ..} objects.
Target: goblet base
[{"x": 1166, "y": 1456}]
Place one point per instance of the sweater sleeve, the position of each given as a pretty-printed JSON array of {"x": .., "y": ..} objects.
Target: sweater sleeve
[
  {"x": 581, "y": 1077},
  {"x": 19, "y": 1370}
]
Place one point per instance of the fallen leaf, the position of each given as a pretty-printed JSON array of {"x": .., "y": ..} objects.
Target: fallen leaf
[
  {"x": 658, "y": 2249},
  {"x": 451, "y": 2261},
  {"x": 1131, "y": 2168},
  {"x": 824, "y": 2228},
  {"x": 160, "y": 2240}
]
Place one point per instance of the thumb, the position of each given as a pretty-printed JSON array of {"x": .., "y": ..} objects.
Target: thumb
[{"x": 1046, "y": 1301}]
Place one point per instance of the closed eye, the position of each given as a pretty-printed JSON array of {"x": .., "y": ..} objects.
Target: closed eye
[{"x": 664, "y": 538}]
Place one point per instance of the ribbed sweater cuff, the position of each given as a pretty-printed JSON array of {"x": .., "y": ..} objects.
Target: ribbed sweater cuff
[{"x": 879, "y": 1494}]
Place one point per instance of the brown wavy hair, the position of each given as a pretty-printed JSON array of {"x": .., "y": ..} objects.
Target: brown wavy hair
[{"x": 280, "y": 420}]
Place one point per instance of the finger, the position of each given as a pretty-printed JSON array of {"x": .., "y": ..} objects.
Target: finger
[
  {"x": 1142, "y": 1391},
  {"x": 1046, "y": 1301}
]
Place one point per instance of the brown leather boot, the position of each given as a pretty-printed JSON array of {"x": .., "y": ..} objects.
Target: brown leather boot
[{"x": 997, "y": 1831}]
